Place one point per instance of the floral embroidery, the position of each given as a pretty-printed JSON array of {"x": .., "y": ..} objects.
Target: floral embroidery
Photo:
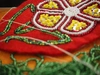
[
  {"x": 69, "y": 12},
  {"x": 63, "y": 38},
  {"x": 49, "y": 21},
  {"x": 93, "y": 10},
  {"x": 50, "y": 5},
  {"x": 74, "y": 2},
  {"x": 76, "y": 25}
]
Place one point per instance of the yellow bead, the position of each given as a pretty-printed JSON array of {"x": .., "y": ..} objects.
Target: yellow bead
[
  {"x": 58, "y": 17},
  {"x": 50, "y": 24},
  {"x": 55, "y": 6},
  {"x": 50, "y": 5},
  {"x": 48, "y": 20},
  {"x": 77, "y": 24},
  {"x": 94, "y": 5},
  {"x": 90, "y": 13},
  {"x": 96, "y": 15},
  {"x": 71, "y": 2},
  {"x": 92, "y": 10},
  {"x": 75, "y": 21},
  {"x": 41, "y": 19},
  {"x": 51, "y": 2},
  {"x": 44, "y": 23},
  {"x": 43, "y": 15},
  {"x": 77, "y": 1},
  {"x": 46, "y": 15},
  {"x": 74, "y": 2},
  {"x": 51, "y": 17},
  {"x": 83, "y": 24},
  {"x": 96, "y": 10},
  {"x": 46, "y": 6},
  {"x": 85, "y": 11},
  {"x": 70, "y": 28},
  {"x": 55, "y": 21},
  {"x": 78, "y": 28}
]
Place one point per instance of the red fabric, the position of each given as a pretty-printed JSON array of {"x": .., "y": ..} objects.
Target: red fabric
[{"x": 21, "y": 47}]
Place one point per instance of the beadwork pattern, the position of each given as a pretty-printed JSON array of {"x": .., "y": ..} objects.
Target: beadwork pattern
[
  {"x": 93, "y": 10},
  {"x": 69, "y": 10},
  {"x": 49, "y": 20},
  {"x": 50, "y": 5},
  {"x": 74, "y": 2},
  {"x": 76, "y": 25},
  {"x": 63, "y": 38},
  {"x": 8, "y": 26},
  {"x": 66, "y": 13},
  {"x": 20, "y": 29}
]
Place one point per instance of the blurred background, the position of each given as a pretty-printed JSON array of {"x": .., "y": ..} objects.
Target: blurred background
[{"x": 10, "y": 3}]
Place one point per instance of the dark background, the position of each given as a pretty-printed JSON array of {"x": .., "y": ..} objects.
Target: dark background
[{"x": 10, "y": 3}]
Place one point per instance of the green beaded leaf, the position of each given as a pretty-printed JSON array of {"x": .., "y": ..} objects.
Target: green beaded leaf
[
  {"x": 8, "y": 26},
  {"x": 20, "y": 29},
  {"x": 63, "y": 38}
]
